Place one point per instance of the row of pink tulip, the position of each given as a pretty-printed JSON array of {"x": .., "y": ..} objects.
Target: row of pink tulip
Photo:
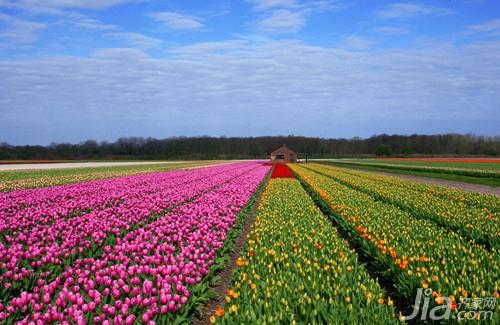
[
  {"x": 44, "y": 250},
  {"x": 23, "y": 209},
  {"x": 147, "y": 274}
]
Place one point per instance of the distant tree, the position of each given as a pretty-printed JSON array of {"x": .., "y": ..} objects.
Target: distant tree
[
  {"x": 383, "y": 150},
  {"x": 206, "y": 147},
  {"x": 408, "y": 150}
]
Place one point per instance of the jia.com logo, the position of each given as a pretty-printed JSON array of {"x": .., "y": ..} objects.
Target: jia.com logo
[{"x": 448, "y": 309}]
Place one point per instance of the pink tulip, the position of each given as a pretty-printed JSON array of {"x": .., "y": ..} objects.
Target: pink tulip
[
  {"x": 116, "y": 293},
  {"x": 130, "y": 320},
  {"x": 147, "y": 286},
  {"x": 124, "y": 309}
]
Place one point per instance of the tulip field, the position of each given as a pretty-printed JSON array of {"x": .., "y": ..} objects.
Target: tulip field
[
  {"x": 125, "y": 249},
  {"x": 320, "y": 245}
]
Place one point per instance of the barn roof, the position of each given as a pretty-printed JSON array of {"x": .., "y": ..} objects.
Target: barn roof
[{"x": 282, "y": 150}]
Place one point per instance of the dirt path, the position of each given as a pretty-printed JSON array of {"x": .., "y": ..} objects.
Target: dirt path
[
  {"x": 226, "y": 276},
  {"x": 485, "y": 189}
]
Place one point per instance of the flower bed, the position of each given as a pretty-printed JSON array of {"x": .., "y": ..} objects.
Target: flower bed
[
  {"x": 282, "y": 171},
  {"x": 192, "y": 232}
]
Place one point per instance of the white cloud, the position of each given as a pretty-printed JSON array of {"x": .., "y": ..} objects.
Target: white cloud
[
  {"x": 210, "y": 47},
  {"x": 15, "y": 32},
  {"x": 242, "y": 88},
  {"x": 58, "y": 6},
  {"x": 176, "y": 21},
  {"x": 252, "y": 37},
  {"x": 286, "y": 16},
  {"x": 137, "y": 40},
  {"x": 120, "y": 54},
  {"x": 487, "y": 27},
  {"x": 282, "y": 21},
  {"x": 94, "y": 24},
  {"x": 390, "y": 30},
  {"x": 308, "y": 6},
  {"x": 356, "y": 43},
  {"x": 261, "y": 5},
  {"x": 409, "y": 10}
]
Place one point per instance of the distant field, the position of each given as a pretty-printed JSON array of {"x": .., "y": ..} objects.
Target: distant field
[
  {"x": 11, "y": 162},
  {"x": 79, "y": 164},
  {"x": 490, "y": 164},
  {"x": 55, "y": 161},
  {"x": 444, "y": 159},
  {"x": 33, "y": 178},
  {"x": 487, "y": 173}
]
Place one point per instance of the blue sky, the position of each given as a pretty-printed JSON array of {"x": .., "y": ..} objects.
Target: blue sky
[{"x": 83, "y": 69}]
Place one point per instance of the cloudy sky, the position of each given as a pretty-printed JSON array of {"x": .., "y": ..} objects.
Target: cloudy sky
[{"x": 72, "y": 70}]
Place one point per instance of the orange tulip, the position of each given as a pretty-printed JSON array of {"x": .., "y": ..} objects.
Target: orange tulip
[
  {"x": 219, "y": 312},
  {"x": 240, "y": 262}
]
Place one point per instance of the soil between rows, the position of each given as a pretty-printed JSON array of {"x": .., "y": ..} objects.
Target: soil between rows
[{"x": 226, "y": 275}]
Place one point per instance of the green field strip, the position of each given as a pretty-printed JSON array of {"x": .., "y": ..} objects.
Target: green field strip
[{"x": 437, "y": 163}]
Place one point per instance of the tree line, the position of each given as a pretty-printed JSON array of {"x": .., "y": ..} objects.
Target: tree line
[{"x": 205, "y": 147}]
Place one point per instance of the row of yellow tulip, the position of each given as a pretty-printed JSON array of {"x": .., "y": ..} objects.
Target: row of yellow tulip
[
  {"x": 296, "y": 269},
  {"x": 472, "y": 222},
  {"x": 414, "y": 253}
]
